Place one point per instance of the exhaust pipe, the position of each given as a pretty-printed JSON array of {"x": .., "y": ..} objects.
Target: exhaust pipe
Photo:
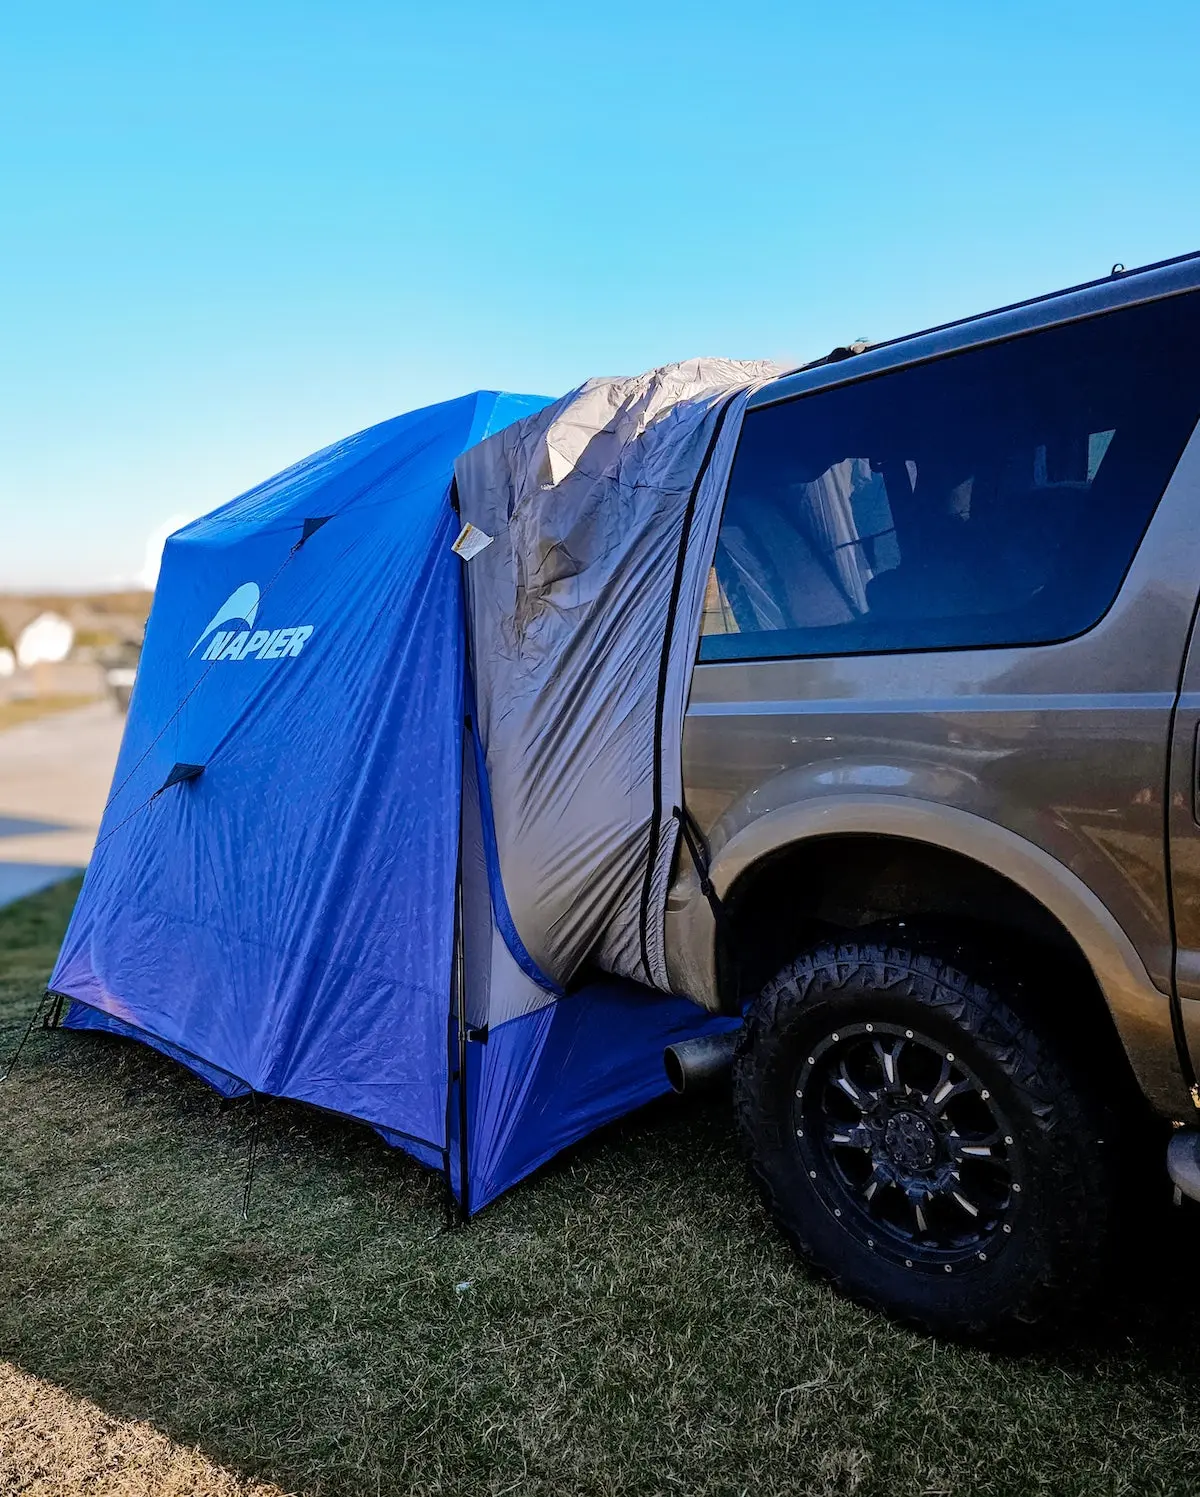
[{"x": 702, "y": 1064}]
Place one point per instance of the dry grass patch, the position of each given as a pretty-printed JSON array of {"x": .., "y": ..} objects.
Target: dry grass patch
[
  {"x": 28, "y": 709},
  {"x": 56, "y": 1445}
]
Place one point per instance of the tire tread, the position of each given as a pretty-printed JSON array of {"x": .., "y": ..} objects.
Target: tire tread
[{"x": 1065, "y": 1118}]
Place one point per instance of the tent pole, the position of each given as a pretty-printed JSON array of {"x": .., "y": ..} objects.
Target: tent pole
[
  {"x": 460, "y": 993},
  {"x": 447, "y": 1178},
  {"x": 453, "y": 1062},
  {"x": 460, "y": 960},
  {"x": 456, "y": 1209}
]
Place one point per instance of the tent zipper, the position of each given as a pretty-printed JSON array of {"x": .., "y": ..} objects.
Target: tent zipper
[{"x": 656, "y": 816}]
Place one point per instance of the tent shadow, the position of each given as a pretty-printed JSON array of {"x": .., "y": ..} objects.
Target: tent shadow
[
  {"x": 345, "y": 1329},
  {"x": 137, "y": 1286},
  {"x": 1148, "y": 1311}
]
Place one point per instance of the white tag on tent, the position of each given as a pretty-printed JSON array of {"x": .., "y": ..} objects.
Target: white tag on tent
[{"x": 471, "y": 541}]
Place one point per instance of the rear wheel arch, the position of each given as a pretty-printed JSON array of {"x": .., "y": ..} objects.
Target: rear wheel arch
[{"x": 848, "y": 884}]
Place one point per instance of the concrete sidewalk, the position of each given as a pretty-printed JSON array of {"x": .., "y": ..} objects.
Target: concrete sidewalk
[{"x": 55, "y": 774}]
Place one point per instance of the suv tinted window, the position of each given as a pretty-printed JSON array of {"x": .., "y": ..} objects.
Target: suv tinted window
[{"x": 991, "y": 497}]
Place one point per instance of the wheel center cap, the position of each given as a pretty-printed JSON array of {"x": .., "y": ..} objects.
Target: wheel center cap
[{"x": 910, "y": 1141}]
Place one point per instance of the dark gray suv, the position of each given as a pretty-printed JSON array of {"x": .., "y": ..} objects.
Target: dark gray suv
[{"x": 941, "y": 756}]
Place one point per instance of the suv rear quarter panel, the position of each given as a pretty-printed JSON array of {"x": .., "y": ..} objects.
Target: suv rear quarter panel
[{"x": 1059, "y": 748}]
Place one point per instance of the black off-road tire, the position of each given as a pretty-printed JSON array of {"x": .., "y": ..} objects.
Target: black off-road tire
[{"x": 1055, "y": 1243}]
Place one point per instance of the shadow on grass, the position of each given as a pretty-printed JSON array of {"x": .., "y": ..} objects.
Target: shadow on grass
[{"x": 625, "y": 1321}]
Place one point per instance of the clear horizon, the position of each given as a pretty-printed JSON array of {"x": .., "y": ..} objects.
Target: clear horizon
[{"x": 237, "y": 236}]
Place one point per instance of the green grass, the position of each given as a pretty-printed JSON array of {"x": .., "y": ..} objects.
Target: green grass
[{"x": 632, "y": 1323}]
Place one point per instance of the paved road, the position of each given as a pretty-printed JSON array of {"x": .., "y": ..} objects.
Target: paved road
[{"x": 55, "y": 774}]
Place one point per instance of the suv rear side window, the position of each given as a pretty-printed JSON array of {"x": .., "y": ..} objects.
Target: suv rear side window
[{"x": 993, "y": 497}]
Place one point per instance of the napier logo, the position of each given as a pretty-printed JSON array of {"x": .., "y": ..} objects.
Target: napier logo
[{"x": 231, "y": 634}]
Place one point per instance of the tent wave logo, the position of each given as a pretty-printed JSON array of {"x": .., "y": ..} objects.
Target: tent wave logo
[{"x": 247, "y": 642}]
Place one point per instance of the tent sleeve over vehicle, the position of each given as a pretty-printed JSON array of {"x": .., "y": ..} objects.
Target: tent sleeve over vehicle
[{"x": 584, "y": 616}]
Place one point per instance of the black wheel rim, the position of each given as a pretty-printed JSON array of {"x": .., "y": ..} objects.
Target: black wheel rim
[{"x": 907, "y": 1147}]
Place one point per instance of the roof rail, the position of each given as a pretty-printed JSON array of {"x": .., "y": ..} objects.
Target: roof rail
[{"x": 1118, "y": 272}]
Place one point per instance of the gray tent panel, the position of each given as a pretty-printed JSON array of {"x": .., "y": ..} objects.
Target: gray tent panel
[{"x": 583, "y": 617}]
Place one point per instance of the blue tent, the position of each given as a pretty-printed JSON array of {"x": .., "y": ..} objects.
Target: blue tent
[{"x": 290, "y": 892}]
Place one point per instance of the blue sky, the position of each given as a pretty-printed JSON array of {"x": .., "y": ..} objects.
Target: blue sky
[{"x": 232, "y": 233}]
